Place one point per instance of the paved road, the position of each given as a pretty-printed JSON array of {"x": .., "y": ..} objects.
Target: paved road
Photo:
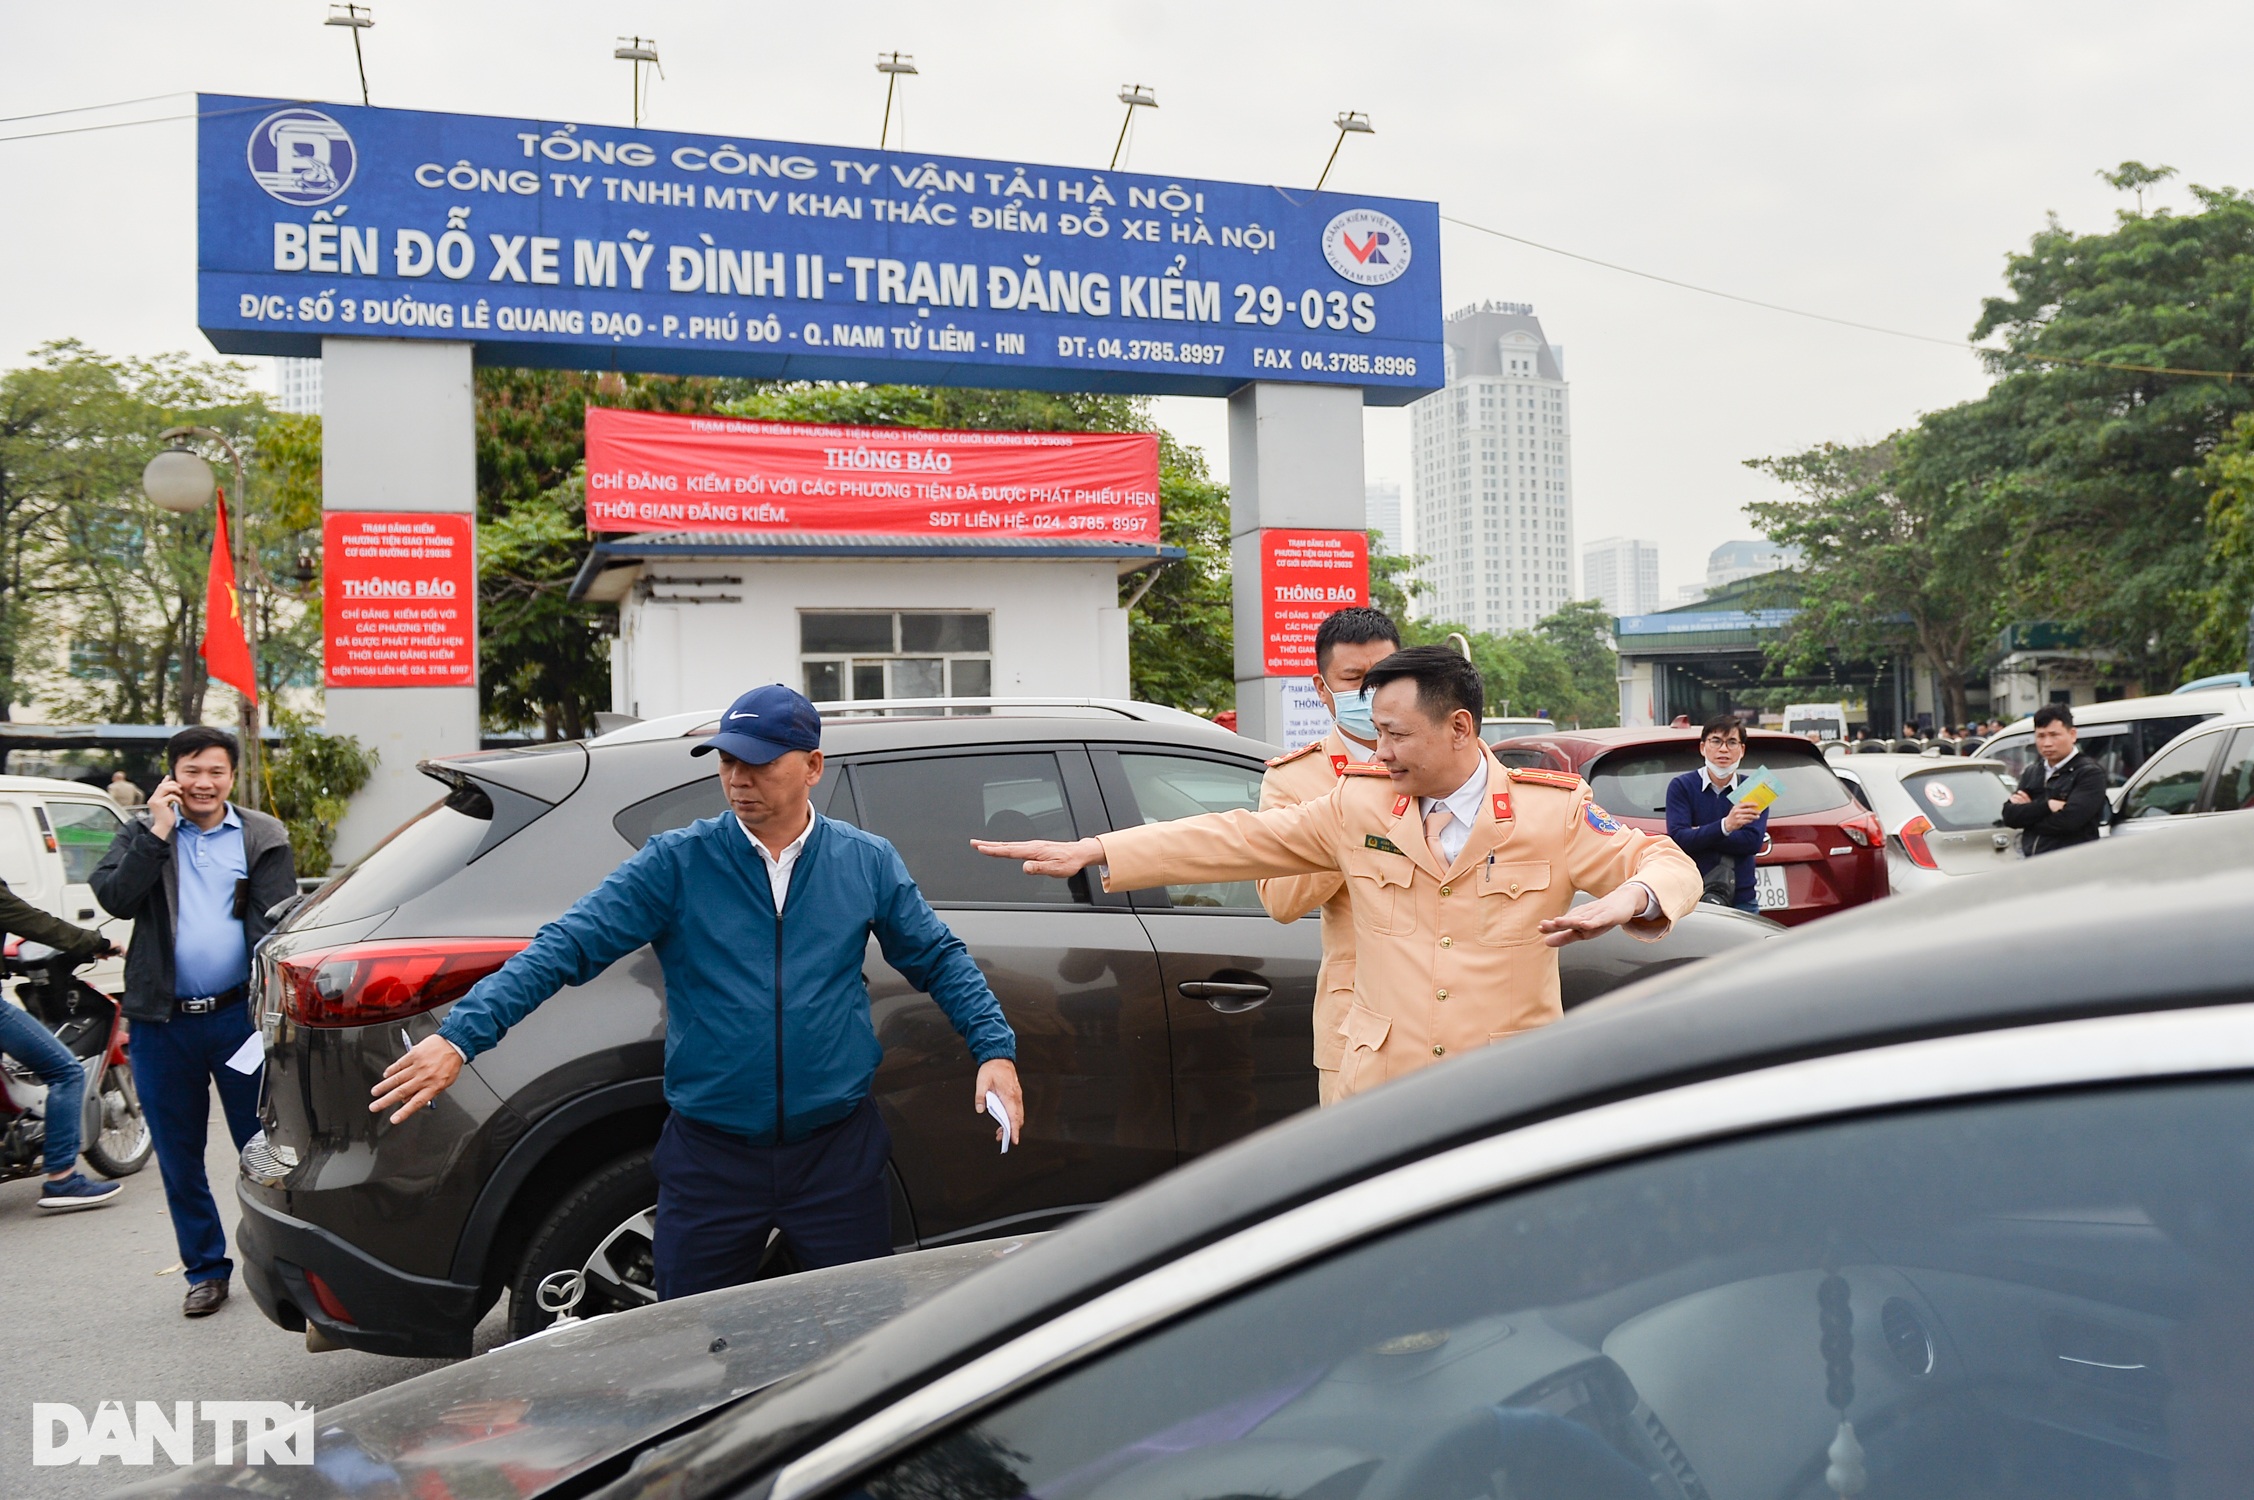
[{"x": 90, "y": 1312}]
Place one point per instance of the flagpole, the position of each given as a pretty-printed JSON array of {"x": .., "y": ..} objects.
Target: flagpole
[{"x": 246, "y": 593}]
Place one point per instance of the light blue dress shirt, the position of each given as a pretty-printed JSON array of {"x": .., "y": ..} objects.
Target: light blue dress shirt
[{"x": 210, "y": 952}]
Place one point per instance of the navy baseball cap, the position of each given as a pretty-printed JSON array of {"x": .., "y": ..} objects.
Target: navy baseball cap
[{"x": 766, "y": 723}]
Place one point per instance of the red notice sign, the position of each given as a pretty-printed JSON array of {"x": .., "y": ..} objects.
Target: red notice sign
[
  {"x": 655, "y": 471},
  {"x": 399, "y": 599},
  {"x": 1305, "y": 576}
]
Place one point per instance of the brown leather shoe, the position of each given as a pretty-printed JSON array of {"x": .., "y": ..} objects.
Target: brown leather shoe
[{"x": 204, "y": 1299}]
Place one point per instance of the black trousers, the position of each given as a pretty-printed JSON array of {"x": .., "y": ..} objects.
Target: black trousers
[{"x": 719, "y": 1196}]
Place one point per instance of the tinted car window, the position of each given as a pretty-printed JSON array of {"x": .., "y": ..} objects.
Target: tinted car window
[
  {"x": 1957, "y": 800},
  {"x": 680, "y": 806},
  {"x": 2234, "y": 783},
  {"x": 933, "y": 807},
  {"x": 416, "y": 856},
  {"x": 1633, "y": 783},
  {"x": 1167, "y": 787},
  {"x": 2170, "y": 785},
  {"x": 2154, "y": 735},
  {"x": 83, "y": 832},
  {"x": 2014, "y": 1300}
]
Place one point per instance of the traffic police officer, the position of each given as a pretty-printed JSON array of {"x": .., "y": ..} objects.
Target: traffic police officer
[
  {"x": 1459, "y": 874},
  {"x": 760, "y": 919},
  {"x": 1347, "y": 645}
]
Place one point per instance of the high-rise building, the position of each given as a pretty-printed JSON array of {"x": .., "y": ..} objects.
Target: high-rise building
[
  {"x": 1381, "y": 513},
  {"x": 298, "y": 382},
  {"x": 1623, "y": 572},
  {"x": 1493, "y": 500},
  {"x": 1732, "y": 561}
]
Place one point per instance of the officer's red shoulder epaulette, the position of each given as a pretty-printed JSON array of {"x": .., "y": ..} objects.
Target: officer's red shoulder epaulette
[
  {"x": 1363, "y": 768},
  {"x": 1289, "y": 756},
  {"x": 1564, "y": 781}
]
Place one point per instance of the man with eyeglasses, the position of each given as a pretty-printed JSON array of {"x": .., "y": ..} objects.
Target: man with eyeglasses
[{"x": 1722, "y": 836}]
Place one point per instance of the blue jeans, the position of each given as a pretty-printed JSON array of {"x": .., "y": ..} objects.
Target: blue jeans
[
  {"x": 23, "y": 1038},
  {"x": 175, "y": 1063}
]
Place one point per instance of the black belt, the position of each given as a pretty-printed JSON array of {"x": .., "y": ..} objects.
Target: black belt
[{"x": 204, "y": 1005}]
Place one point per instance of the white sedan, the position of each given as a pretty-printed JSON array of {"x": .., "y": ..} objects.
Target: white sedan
[{"x": 1943, "y": 815}]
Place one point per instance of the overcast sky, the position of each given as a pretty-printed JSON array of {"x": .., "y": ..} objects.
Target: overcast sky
[{"x": 1874, "y": 162}]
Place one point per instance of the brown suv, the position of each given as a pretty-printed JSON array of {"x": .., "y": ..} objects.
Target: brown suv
[{"x": 1151, "y": 1026}]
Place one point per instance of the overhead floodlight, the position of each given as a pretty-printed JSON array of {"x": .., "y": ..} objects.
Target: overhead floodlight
[
  {"x": 1353, "y": 122},
  {"x": 1135, "y": 96},
  {"x": 891, "y": 65},
  {"x": 358, "y": 18},
  {"x": 638, "y": 50}
]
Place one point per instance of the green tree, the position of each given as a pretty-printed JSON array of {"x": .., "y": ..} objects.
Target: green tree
[
  {"x": 310, "y": 779},
  {"x": 1582, "y": 633},
  {"x": 1899, "y": 543},
  {"x": 2105, "y": 506}
]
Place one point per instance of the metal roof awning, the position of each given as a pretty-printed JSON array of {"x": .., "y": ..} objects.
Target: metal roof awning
[{"x": 612, "y": 565}]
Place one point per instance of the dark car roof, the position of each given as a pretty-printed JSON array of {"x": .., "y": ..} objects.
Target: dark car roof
[{"x": 2118, "y": 926}]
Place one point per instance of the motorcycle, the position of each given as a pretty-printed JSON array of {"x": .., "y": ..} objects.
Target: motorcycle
[{"x": 113, "y": 1133}]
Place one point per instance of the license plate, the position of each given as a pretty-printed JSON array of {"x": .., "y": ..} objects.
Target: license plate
[{"x": 1768, "y": 888}]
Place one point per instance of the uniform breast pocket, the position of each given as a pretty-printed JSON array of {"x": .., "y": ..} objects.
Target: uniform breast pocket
[
  {"x": 1509, "y": 905},
  {"x": 1380, "y": 893}
]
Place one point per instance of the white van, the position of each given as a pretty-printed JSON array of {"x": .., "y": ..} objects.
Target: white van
[
  {"x": 2124, "y": 734},
  {"x": 52, "y": 835}
]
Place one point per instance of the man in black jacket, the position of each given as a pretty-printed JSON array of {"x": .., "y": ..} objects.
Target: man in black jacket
[
  {"x": 196, "y": 875},
  {"x": 2061, "y": 798}
]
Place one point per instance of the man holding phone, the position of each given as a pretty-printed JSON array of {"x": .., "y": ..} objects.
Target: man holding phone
[{"x": 196, "y": 875}]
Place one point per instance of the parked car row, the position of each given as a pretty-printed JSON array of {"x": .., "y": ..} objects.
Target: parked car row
[
  {"x": 1702, "y": 1238},
  {"x": 1153, "y": 1027}
]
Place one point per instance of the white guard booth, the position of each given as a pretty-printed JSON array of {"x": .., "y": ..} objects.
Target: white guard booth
[{"x": 703, "y": 617}]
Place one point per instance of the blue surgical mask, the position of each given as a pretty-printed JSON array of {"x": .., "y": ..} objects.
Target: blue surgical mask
[{"x": 1353, "y": 715}]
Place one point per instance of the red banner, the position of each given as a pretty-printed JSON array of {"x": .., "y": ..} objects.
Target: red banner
[
  {"x": 655, "y": 471},
  {"x": 1306, "y": 576},
  {"x": 399, "y": 599}
]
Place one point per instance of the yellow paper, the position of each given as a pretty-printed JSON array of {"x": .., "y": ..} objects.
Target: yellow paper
[{"x": 1759, "y": 791}]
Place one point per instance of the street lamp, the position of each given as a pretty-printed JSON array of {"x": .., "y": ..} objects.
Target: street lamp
[
  {"x": 638, "y": 50},
  {"x": 1135, "y": 96},
  {"x": 178, "y": 479},
  {"x": 1353, "y": 122},
  {"x": 358, "y": 19},
  {"x": 892, "y": 65}
]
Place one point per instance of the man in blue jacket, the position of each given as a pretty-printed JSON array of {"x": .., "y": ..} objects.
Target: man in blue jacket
[
  {"x": 760, "y": 918},
  {"x": 1705, "y": 824}
]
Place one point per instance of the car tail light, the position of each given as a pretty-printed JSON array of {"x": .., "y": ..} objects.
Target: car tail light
[
  {"x": 1864, "y": 830},
  {"x": 361, "y": 984},
  {"x": 1913, "y": 842},
  {"x": 326, "y": 1295}
]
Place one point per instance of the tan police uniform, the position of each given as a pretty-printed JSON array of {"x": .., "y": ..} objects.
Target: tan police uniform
[
  {"x": 1446, "y": 960},
  {"x": 1303, "y": 776}
]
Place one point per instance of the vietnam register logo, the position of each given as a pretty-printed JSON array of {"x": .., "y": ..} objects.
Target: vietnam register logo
[{"x": 1366, "y": 247}]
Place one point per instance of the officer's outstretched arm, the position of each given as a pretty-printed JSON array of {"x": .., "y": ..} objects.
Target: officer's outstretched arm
[{"x": 1297, "y": 840}]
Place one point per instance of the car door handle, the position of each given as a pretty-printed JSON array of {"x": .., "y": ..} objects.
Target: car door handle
[
  {"x": 1225, "y": 996},
  {"x": 86, "y": 914}
]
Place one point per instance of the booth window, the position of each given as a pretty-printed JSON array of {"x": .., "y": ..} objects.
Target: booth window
[{"x": 863, "y": 657}]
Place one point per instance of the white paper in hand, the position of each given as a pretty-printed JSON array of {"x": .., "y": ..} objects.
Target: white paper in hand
[
  {"x": 1001, "y": 1114},
  {"x": 250, "y": 1056}
]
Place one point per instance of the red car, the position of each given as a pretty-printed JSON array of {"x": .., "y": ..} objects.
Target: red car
[{"x": 1824, "y": 851}]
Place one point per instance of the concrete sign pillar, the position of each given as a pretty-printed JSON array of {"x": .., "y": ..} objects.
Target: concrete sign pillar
[
  {"x": 398, "y": 433},
  {"x": 1295, "y": 460}
]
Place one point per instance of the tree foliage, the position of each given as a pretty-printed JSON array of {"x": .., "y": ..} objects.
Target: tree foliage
[
  {"x": 1565, "y": 667},
  {"x": 310, "y": 779}
]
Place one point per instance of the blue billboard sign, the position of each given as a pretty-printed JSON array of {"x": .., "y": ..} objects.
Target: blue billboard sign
[{"x": 597, "y": 247}]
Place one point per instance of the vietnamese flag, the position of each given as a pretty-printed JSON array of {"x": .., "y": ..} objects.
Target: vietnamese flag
[{"x": 226, "y": 651}]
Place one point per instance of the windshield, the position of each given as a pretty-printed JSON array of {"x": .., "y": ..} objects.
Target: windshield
[{"x": 1633, "y": 783}]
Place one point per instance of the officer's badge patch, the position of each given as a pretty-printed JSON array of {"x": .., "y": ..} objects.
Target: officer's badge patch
[
  {"x": 1597, "y": 818},
  {"x": 1400, "y": 804},
  {"x": 1381, "y": 844}
]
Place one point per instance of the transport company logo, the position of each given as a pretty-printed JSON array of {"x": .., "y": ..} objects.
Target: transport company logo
[
  {"x": 301, "y": 156},
  {"x": 1366, "y": 247}
]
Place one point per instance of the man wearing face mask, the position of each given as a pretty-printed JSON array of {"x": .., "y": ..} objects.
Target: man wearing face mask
[
  {"x": 1721, "y": 835},
  {"x": 1347, "y": 645}
]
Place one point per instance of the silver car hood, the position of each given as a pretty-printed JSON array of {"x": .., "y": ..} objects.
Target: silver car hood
[{"x": 550, "y": 1406}]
